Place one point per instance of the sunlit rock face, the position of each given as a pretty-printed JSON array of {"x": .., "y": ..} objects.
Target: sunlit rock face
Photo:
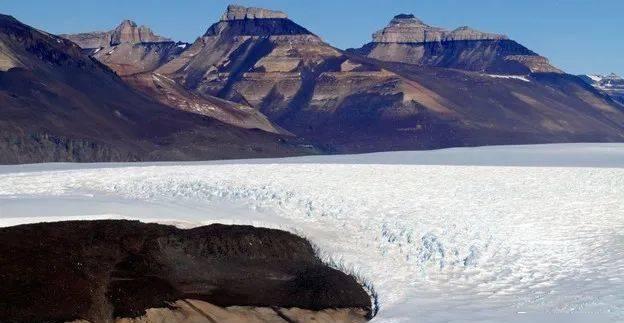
[
  {"x": 196, "y": 311},
  {"x": 129, "y": 32},
  {"x": 235, "y": 12}
]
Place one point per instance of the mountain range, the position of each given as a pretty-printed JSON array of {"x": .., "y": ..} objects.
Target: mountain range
[{"x": 257, "y": 84}]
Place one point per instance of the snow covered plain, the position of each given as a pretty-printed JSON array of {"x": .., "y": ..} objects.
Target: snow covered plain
[{"x": 493, "y": 234}]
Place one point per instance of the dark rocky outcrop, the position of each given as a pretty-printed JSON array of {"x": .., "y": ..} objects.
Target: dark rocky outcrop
[
  {"x": 235, "y": 12},
  {"x": 100, "y": 270}
]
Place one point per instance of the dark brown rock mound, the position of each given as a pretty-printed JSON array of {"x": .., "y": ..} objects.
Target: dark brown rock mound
[{"x": 99, "y": 270}]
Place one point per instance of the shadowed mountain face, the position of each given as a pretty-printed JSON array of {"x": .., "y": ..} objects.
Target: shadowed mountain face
[
  {"x": 59, "y": 105},
  {"x": 101, "y": 270}
]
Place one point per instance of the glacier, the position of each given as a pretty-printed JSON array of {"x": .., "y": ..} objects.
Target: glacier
[{"x": 486, "y": 234}]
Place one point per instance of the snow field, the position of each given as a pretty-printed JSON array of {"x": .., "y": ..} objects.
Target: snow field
[{"x": 436, "y": 243}]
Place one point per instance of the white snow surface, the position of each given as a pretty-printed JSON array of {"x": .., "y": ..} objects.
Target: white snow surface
[
  {"x": 511, "y": 77},
  {"x": 490, "y": 234}
]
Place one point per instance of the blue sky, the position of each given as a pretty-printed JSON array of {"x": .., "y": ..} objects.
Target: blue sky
[{"x": 579, "y": 36}]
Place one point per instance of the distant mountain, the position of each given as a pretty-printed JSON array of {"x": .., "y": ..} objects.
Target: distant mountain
[
  {"x": 407, "y": 39},
  {"x": 57, "y": 104},
  {"x": 612, "y": 85},
  {"x": 128, "y": 49}
]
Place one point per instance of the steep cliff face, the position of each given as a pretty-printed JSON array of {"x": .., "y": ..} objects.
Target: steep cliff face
[
  {"x": 59, "y": 105},
  {"x": 409, "y": 40}
]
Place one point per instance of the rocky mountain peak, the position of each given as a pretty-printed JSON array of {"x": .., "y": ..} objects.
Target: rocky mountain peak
[
  {"x": 129, "y": 32},
  {"x": 406, "y": 19},
  {"x": 127, "y": 23},
  {"x": 257, "y": 22},
  {"x": 235, "y": 12},
  {"x": 406, "y": 28},
  {"x": 126, "y": 32}
]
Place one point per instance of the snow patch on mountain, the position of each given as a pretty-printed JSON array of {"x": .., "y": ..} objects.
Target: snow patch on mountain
[{"x": 510, "y": 77}]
